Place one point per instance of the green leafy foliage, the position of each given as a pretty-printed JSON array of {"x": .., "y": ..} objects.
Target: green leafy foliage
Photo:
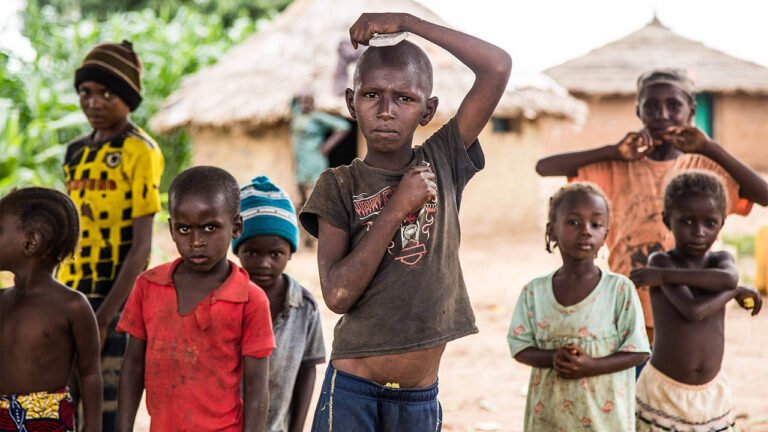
[
  {"x": 743, "y": 243},
  {"x": 39, "y": 108},
  {"x": 228, "y": 10}
]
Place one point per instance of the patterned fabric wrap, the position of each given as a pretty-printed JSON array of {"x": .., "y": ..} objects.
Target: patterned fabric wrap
[{"x": 39, "y": 411}]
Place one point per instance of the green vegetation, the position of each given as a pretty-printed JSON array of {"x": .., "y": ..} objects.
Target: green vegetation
[
  {"x": 39, "y": 111},
  {"x": 227, "y": 10},
  {"x": 743, "y": 243}
]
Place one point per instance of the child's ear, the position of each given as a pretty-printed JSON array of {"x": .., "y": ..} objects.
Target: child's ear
[
  {"x": 692, "y": 117},
  {"x": 637, "y": 110},
  {"x": 349, "y": 97},
  {"x": 32, "y": 242},
  {"x": 237, "y": 226},
  {"x": 170, "y": 226},
  {"x": 665, "y": 219},
  {"x": 430, "y": 111}
]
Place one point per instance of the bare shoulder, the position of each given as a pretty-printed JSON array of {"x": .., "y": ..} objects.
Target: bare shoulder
[
  {"x": 720, "y": 259},
  {"x": 660, "y": 259},
  {"x": 72, "y": 300}
]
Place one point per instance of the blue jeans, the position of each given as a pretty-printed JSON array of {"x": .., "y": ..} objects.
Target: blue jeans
[{"x": 352, "y": 404}]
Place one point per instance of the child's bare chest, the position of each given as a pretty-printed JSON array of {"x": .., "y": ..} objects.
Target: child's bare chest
[{"x": 33, "y": 326}]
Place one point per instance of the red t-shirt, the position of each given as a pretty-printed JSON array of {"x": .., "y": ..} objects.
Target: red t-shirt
[{"x": 193, "y": 364}]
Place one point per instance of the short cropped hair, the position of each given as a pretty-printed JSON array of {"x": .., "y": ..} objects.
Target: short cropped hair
[
  {"x": 207, "y": 181},
  {"x": 48, "y": 212},
  {"x": 566, "y": 191},
  {"x": 695, "y": 182},
  {"x": 402, "y": 55}
]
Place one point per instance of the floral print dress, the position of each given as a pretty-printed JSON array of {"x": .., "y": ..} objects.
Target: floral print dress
[{"x": 608, "y": 320}]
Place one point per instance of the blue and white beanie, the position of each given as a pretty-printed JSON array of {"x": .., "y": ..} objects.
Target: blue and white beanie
[{"x": 267, "y": 210}]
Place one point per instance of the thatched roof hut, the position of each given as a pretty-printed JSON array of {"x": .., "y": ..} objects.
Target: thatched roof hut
[
  {"x": 613, "y": 69},
  {"x": 732, "y": 94},
  {"x": 253, "y": 83}
]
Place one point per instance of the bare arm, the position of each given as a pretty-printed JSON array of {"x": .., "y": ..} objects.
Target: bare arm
[
  {"x": 538, "y": 358},
  {"x": 255, "y": 393},
  {"x": 131, "y": 384},
  {"x": 573, "y": 363},
  {"x": 618, "y": 361},
  {"x": 302, "y": 396},
  {"x": 345, "y": 274},
  {"x": 86, "y": 335},
  {"x": 690, "y": 139},
  {"x": 491, "y": 64},
  {"x": 722, "y": 276},
  {"x": 134, "y": 263},
  {"x": 568, "y": 164},
  {"x": 693, "y": 308},
  {"x": 634, "y": 146},
  {"x": 753, "y": 187}
]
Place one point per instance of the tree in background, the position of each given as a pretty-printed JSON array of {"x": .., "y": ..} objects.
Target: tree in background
[{"x": 39, "y": 108}]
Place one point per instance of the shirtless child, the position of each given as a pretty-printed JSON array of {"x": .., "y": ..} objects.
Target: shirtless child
[
  {"x": 45, "y": 327},
  {"x": 683, "y": 387}
]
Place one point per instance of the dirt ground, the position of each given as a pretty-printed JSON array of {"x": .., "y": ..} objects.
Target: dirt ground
[{"x": 483, "y": 389}]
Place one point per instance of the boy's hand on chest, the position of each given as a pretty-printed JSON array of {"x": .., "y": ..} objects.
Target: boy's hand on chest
[{"x": 417, "y": 187}]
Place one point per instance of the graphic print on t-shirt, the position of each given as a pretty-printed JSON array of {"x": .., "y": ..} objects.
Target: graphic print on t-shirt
[{"x": 409, "y": 244}]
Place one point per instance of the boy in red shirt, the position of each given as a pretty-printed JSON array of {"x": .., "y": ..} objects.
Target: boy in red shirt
[{"x": 198, "y": 326}]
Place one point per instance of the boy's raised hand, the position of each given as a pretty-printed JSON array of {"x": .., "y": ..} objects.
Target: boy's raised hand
[
  {"x": 416, "y": 188},
  {"x": 369, "y": 24},
  {"x": 635, "y": 145},
  {"x": 688, "y": 139},
  {"x": 749, "y": 299}
]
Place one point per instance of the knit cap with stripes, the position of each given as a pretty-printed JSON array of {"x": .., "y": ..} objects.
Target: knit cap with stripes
[
  {"x": 115, "y": 66},
  {"x": 266, "y": 210}
]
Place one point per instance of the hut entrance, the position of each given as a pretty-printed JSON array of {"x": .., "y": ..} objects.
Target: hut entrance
[
  {"x": 346, "y": 150},
  {"x": 704, "y": 114}
]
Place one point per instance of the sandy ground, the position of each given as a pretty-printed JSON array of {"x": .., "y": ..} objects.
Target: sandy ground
[{"x": 482, "y": 388}]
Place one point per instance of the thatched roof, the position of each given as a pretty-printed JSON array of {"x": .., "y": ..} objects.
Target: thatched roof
[
  {"x": 613, "y": 69},
  {"x": 253, "y": 83}
]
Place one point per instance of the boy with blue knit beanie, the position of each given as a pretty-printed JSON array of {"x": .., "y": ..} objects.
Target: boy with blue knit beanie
[{"x": 270, "y": 236}]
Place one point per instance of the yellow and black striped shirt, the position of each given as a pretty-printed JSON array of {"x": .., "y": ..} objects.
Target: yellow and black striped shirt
[{"x": 111, "y": 183}]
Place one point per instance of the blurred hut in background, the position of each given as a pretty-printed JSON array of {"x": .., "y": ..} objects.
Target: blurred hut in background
[{"x": 732, "y": 94}]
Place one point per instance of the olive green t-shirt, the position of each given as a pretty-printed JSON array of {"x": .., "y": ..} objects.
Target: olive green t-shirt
[{"x": 417, "y": 298}]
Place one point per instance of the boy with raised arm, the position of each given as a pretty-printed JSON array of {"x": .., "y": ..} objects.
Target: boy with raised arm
[
  {"x": 388, "y": 230},
  {"x": 633, "y": 172}
]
